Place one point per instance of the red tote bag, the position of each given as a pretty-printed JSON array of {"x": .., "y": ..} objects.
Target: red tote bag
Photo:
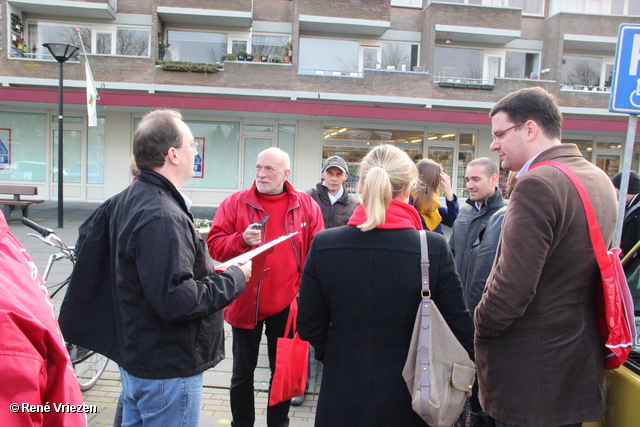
[
  {"x": 614, "y": 305},
  {"x": 292, "y": 363}
]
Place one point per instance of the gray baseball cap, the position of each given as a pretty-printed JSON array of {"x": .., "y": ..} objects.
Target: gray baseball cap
[{"x": 335, "y": 161}]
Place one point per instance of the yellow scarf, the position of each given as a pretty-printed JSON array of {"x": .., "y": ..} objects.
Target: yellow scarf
[{"x": 432, "y": 217}]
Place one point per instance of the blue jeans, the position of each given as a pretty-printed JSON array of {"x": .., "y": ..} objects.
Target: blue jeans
[{"x": 167, "y": 402}]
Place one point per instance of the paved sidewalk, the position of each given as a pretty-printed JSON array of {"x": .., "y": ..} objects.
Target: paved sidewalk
[{"x": 215, "y": 402}]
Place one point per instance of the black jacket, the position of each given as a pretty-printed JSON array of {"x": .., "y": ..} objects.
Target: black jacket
[
  {"x": 631, "y": 225},
  {"x": 359, "y": 296},
  {"x": 337, "y": 214},
  {"x": 467, "y": 227},
  {"x": 481, "y": 259},
  {"x": 144, "y": 292}
]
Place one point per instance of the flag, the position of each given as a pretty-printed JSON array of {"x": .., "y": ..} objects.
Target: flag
[
  {"x": 92, "y": 97},
  {"x": 92, "y": 93}
]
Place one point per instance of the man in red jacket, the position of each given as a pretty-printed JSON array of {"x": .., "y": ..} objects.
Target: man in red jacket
[
  {"x": 38, "y": 384},
  {"x": 265, "y": 302}
]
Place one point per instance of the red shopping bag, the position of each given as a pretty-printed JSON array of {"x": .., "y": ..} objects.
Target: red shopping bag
[{"x": 292, "y": 362}]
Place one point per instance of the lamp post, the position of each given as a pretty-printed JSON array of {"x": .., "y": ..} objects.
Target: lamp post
[{"x": 61, "y": 52}]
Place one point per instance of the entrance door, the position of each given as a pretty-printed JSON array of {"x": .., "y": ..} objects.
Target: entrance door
[
  {"x": 253, "y": 147},
  {"x": 608, "y": 163},
  {"x": 74, "y": 170}
]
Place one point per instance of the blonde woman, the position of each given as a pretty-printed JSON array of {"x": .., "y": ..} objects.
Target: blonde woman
[
  {"x": 360, "y": 291},
  {"x": 425, "y": 197}
]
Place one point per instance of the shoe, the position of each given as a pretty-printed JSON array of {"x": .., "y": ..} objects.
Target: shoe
[{"x": 297, "y": 401}]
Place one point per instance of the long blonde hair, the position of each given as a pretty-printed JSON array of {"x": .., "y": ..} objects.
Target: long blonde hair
[
  {"x": 429, "y": 173},
  {"x": 384, "y": 172}
]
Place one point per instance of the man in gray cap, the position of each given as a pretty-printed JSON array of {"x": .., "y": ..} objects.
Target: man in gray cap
[
  {"x": 335, "y": 203},
  {"x": 631, "y": 223}
]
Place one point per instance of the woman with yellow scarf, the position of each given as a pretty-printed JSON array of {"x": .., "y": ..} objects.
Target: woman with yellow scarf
[{"x": 425, "y": 197}]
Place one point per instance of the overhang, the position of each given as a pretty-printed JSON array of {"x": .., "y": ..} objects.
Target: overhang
[
  {"x": 332, "y": 25},
  {"x": 191, "y": 16},
  {"x": 573, "y": 42},
  {"x": 75, "y": 9},
  {"x": 476, "y": 35}
]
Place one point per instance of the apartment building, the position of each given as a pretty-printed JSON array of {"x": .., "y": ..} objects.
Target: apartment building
[{"x": 340, "y": 77}]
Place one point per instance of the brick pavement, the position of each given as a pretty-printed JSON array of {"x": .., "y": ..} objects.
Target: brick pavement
[{"x": 215, "y": 403}]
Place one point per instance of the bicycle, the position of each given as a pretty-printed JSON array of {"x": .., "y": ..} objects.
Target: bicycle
[{"x": 88, "y": 365}]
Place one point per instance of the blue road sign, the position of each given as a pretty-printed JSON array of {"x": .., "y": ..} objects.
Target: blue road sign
[{"x": 625, "y": 86}]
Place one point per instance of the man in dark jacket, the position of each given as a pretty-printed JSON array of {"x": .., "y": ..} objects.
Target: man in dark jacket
[
  {"x": 331, "y": 195},
  {"x": 144, "y": 291},
  {"x": 631, "y": 223},
  {"x": 484, "y": 200}
]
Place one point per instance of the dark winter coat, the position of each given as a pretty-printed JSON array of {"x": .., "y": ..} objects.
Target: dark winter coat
[
  {"x": 481, "y": 259},
  {"x": 538, "y": 352},
  {"x": 144, "y": 292},
  {"x": 358, "y": 301},
  {"x": 337, "y": 214},
  {"x": 631, "y": 226},
  {"x": 467, "y": 227}
]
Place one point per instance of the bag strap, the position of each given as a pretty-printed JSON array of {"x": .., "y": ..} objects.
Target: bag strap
[
  {"x": 594, "y": 229},
  {"x": 425, "y": 385},
  {"x": 291, "y": 319}
]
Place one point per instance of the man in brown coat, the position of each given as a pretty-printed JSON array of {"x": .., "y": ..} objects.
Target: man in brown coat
[{"x": 538, "y": 353}]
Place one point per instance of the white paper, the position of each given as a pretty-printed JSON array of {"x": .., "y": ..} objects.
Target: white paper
[{"x": 241, "y": 259}]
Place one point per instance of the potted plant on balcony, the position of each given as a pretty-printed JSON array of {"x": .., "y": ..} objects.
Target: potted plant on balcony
[
  {"x": 249, "y": 57},
  {"x": 228, "y": 57},
  {"x": 257, "y": 57},
  {"x": 242, "y": 54},
  {"x": 275, "y": 58},
  {"x": 286, "y": 51},
  {"x": 264, "y": 57}
]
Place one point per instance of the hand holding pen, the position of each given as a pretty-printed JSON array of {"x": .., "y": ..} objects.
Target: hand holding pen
[{"x": 253, "y": 234}]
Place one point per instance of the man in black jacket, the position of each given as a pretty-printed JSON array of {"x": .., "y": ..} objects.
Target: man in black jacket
[
  {"x": 631, "y": 223},
  {"x": 144, "y": 291},
  {"x": 331, "y": 195},
  {"x": 485, "y": 199}
]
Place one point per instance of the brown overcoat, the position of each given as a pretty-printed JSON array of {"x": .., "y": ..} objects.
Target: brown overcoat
[{"x": 538, "y": 352}]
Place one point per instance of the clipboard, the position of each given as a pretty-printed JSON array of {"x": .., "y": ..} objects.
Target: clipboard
[{"x": 241, "y": 259}]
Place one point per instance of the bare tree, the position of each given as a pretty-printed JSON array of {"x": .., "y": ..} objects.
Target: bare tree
[
  {"x": 584, "y": 73},
  {"x": 132, "y": 42},
  {"x": 513, "y": 69},
  {"x": 395, "y": 54}
]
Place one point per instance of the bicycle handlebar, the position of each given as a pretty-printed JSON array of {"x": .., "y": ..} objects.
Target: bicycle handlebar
[{"x": 44, "y": 232}]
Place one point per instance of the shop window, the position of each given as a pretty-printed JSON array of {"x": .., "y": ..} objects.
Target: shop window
[
  {"x": 585, "y": 147},
  {"x": 23, "y": 147}
]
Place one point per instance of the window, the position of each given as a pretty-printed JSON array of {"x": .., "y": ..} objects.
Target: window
[
  {"x": 521, "y": 65},
  {"x": 454, "y": 63},
  {"x": 529, "y": 7},
  {"x": 269, "y": 44},
  {"x": 412, "y": 3},
  {"x": 582, "y": 72},
  {"x": 132, "y": 42},
  {"x": 95, "y": 153},
  {"x": 328, "y": 55},
  {"x": 98, "y": 39},
  {"x": 352, "y": 144},
  {"x": 23, "y": 147},
  {"x": 401, "y": 55},
  {"x": 195, "y": 46},
  {"x": 604, "y": 7}
]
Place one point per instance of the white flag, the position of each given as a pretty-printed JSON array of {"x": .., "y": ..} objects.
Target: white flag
[{"x": 92, "y": 97}]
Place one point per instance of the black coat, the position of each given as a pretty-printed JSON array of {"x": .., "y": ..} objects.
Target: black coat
[
  {"x": 358, "y": 301},
  {"x": 144, "y": 292},
  {"x": 631, "y": 225}
]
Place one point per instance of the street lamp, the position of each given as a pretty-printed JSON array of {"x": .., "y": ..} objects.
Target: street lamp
[{"x": 61, "y": 52}]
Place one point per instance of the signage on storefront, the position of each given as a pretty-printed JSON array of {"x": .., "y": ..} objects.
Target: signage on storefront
[{"x": 625, "y": 86}]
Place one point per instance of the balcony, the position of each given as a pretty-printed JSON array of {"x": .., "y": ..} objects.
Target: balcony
[{"x": 94, "y": 9}]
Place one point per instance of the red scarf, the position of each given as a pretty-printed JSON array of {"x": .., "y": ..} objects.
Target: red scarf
[{"x": 398, "y": 215}]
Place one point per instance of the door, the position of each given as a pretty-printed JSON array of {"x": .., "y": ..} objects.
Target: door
[
  {"x": 493, "y": 65},
  {"x": 253, "y": 147}
]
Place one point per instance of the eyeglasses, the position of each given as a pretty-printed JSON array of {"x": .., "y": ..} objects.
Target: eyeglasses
[
  {"x": 193, "y": 146},
  {"x": 500, "y": 134}
]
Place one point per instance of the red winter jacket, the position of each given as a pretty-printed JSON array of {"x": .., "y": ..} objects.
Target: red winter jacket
[
  {"x": 225, "y": 241},
  {"x": 34, "y": 363}
]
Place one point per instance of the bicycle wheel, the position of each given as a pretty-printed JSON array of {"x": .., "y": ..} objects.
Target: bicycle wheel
[{"x": 88, "y": 365}]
